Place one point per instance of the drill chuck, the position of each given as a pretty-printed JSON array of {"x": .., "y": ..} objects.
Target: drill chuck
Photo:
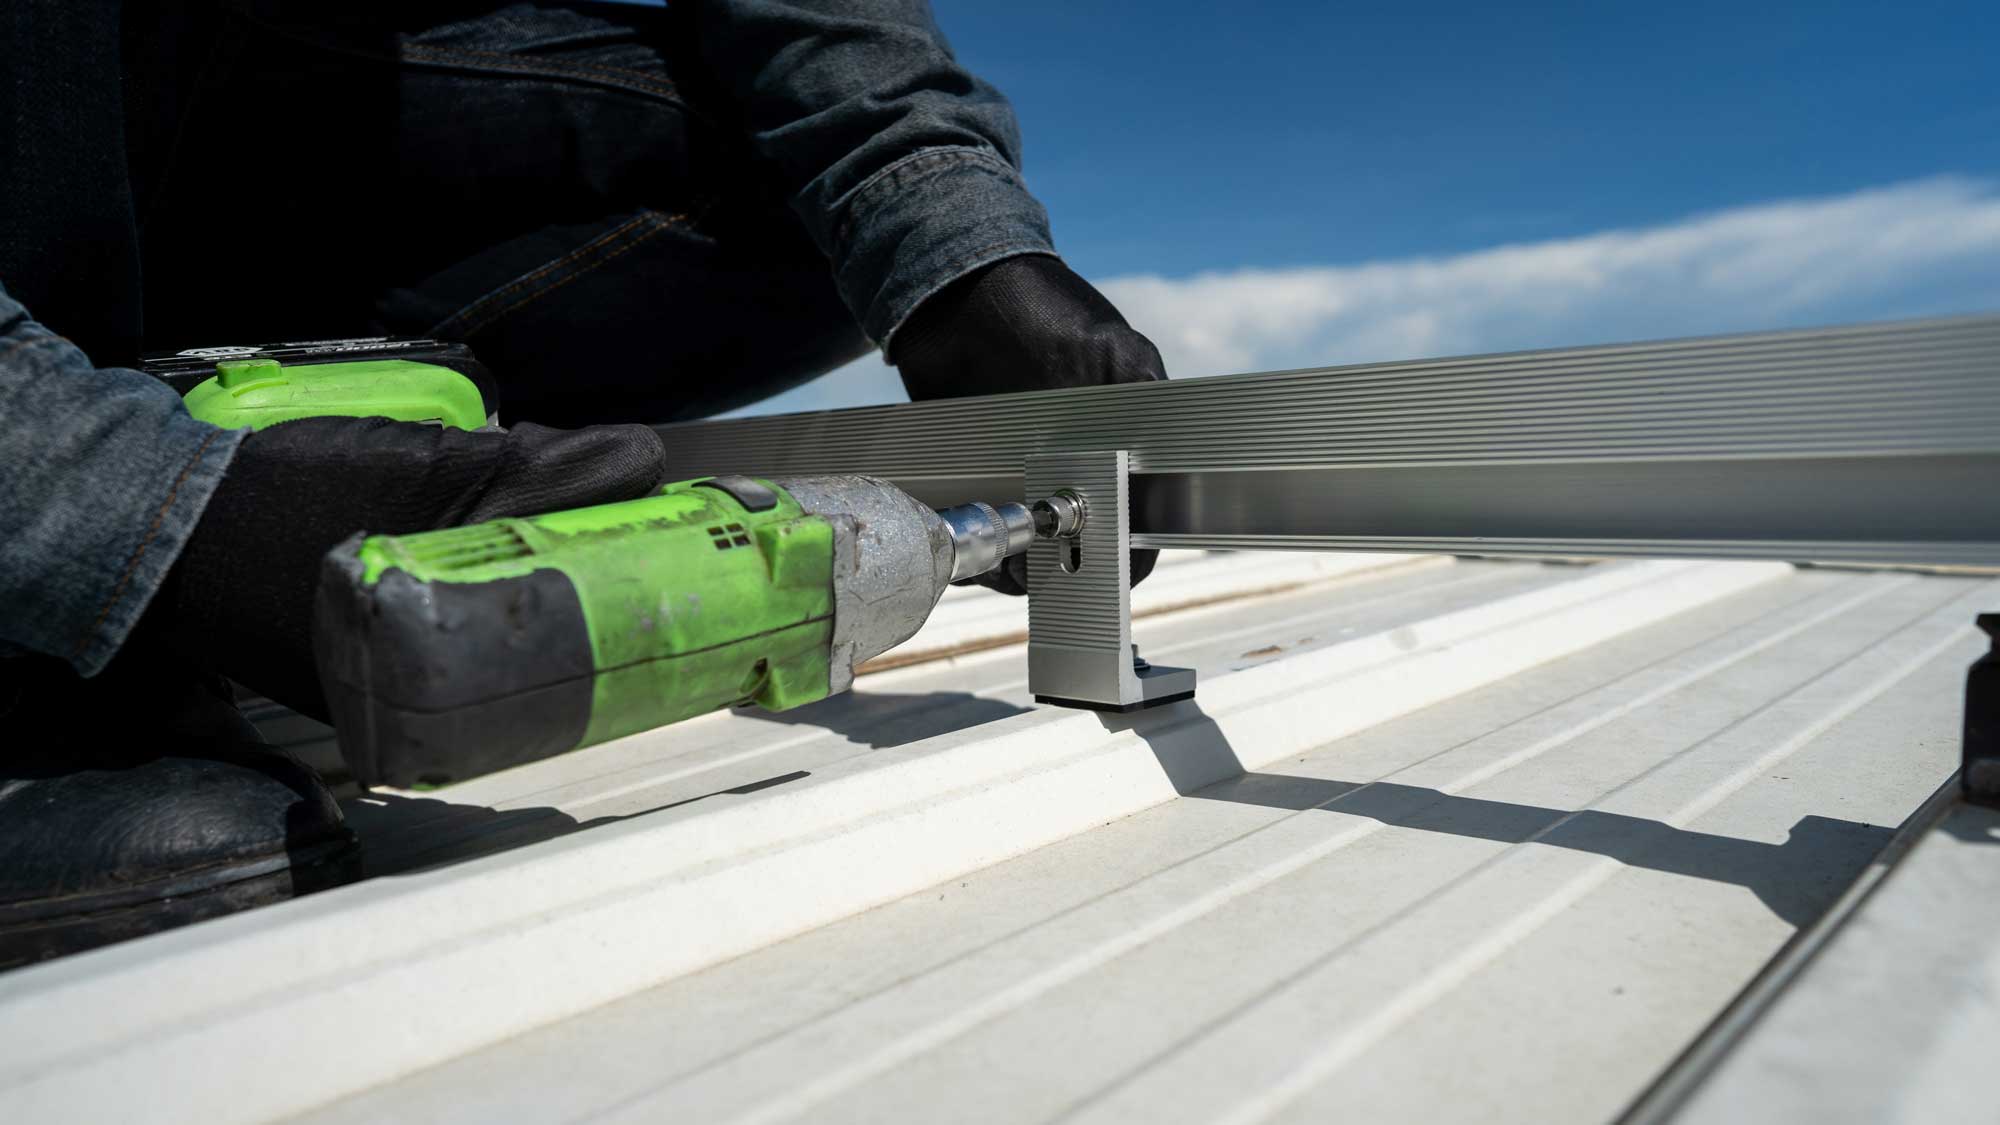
[{"x": 985, "y": 535}]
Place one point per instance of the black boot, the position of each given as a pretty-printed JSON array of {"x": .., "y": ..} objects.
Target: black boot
[{"x": 141, "y": 800}]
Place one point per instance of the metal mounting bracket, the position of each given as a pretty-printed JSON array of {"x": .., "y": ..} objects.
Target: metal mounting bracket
[{"x": 1080, "y": 650}]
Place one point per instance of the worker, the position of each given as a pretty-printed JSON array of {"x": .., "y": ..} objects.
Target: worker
[{"x": 631, "y": 214}]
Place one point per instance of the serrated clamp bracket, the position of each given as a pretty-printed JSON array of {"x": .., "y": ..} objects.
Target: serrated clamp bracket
[{"x": 1080, "y": 650}]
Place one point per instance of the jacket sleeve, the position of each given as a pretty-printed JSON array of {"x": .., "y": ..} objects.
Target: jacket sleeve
[
  {"x": 106, "y": 475},
  {"x": 904, "y": 167}
]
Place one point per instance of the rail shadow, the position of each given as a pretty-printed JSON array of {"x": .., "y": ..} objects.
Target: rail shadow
[{"x": 1796, "y": 879}]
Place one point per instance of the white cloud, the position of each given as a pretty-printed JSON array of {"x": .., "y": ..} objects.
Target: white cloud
[
  {"x": 867, "y": 381},
  {"x": 1915, "y": 249}
]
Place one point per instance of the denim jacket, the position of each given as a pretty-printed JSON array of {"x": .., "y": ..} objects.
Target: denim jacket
[{"x": 903, "y": 167}]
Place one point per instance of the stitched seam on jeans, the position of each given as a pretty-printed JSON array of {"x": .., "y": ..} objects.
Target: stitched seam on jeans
[
  {"x": 498, "y": 313},
  {"x": 139, "y": 552},
  {"x": 612, "y": 76},
  {"x": 473, "y": 307},
  {"x": 533, "y": 62},
  {"x": 517, "y": 64},
  {"x": 545, "y": 269},
  {"x": 668, "y": 222}
]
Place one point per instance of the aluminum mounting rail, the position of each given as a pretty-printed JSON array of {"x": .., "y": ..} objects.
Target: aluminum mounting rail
[{"x": 1876, "y": 442}]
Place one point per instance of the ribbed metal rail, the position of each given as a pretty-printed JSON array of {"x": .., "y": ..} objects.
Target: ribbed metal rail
[{"x": 1872, "y": 442}]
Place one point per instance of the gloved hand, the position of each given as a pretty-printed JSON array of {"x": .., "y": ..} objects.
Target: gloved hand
[
  {"x": 1021, "y": 324},
  {"x": 240, "y": 598}
]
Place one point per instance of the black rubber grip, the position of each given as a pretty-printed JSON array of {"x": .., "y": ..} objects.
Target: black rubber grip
[{"x": 436, "y": 682}]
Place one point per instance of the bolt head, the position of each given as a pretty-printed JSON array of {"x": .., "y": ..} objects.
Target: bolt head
[{"x": 1046, "y": 520}]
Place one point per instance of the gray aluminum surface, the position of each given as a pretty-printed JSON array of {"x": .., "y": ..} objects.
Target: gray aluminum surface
[
  {"x": 1080, "y": 624},
  {"x": 1870, "y": 443}
]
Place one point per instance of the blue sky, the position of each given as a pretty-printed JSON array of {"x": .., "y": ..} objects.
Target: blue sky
[
  {"x": 1171, "y": 137},
  {"x": 1267, "y": 185}
]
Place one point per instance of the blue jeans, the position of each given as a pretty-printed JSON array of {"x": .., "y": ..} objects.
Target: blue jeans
[{"x": 631, "y": 214}]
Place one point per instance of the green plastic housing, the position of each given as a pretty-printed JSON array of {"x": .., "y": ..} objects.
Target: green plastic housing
[
  {"x": 258, "y": 392},
  {"x": 453, "y": 653}
]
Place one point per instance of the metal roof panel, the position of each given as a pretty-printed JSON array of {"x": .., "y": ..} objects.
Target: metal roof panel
[{"x": 1519, "y": 902}]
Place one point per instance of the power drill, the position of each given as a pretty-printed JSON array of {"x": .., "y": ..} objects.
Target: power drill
[{"x": 452, "y": 653}]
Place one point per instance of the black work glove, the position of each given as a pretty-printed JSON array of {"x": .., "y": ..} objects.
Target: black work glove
[
  {"x": 1021, "y": 324},
  {"x": 240, "y": 598}
]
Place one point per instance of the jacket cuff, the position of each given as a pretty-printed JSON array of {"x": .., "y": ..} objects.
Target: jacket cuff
[
  {"x": 108, "y": 477},
  {"x": 205, "y": 453},
  {"x": 925, "y": 221}
]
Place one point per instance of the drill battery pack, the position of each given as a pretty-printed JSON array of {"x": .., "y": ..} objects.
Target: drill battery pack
[{"x": 408, "y": 379}]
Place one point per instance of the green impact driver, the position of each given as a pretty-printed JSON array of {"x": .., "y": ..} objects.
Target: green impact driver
[{"x": 452, "y": 653}]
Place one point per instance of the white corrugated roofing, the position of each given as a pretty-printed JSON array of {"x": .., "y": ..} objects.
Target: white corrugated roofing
[{"x": 1437, "y": 838}]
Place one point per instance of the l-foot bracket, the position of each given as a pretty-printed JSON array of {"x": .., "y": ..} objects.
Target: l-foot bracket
[{"x": 1080, "y": 650}]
